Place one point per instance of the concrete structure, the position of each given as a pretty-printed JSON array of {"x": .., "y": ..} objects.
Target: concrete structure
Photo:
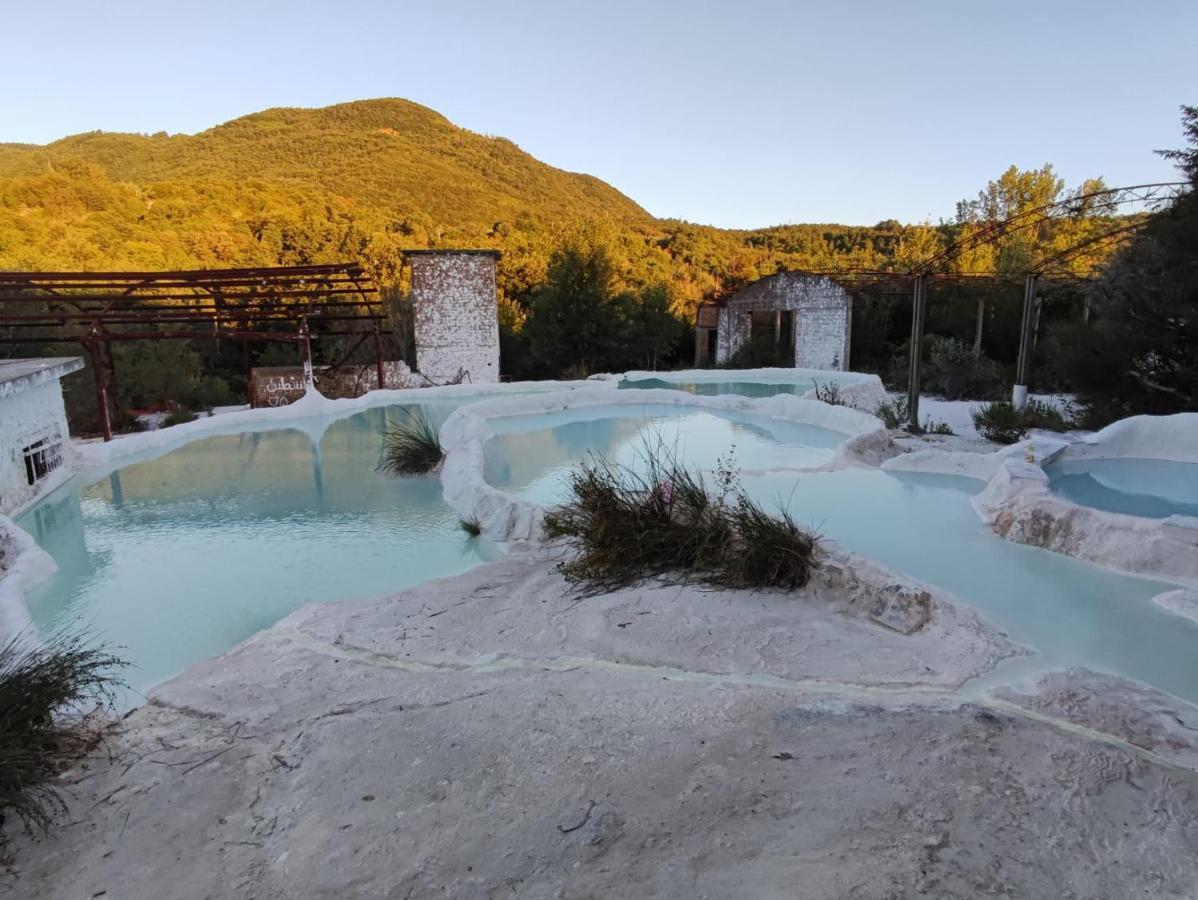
[
  {"x": 489, "y": 735},
  {"x": 811, "y": 313},
  {"x": 456, "y": 312},
  {"x": 281, "y": 385},
  {"x": 35, "y": 444}
]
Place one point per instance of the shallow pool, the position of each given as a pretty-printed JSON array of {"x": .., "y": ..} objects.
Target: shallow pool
[
  {"x": 532, "y": 456},
  {"x": 181, "y": 557},
  {"x": 1071, "y": 612},
  {"x": 800, "y": 385},
  {"x": 1153, "y": 488}
]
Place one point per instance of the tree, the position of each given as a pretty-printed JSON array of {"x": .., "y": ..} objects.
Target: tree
[
  {"x": 654, "y": 331},
  {"x": 576, "y": 317},
  {"x": 1140, "y": 353}
]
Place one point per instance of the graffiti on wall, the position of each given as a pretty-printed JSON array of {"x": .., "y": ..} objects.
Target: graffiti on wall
[{"x": 281, "y": 385}]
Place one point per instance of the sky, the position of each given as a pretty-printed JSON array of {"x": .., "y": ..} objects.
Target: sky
[{"x": 737, "y": 114}]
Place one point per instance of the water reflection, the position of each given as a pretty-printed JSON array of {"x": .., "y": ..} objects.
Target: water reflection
[
  {"x": 181, "y": 557},
  {"x": 532, "y": 456}
]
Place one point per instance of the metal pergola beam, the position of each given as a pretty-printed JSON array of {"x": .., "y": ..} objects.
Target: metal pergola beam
[{"x": 97, "y": 309}]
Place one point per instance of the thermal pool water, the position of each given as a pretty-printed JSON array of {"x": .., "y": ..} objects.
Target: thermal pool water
[
  {"x": 179, "y": 558},
  {"x": 1070, "y": 612},
  {"x": 716, "y": 385},
  {"x": 532, "y": 456},
  {"x": 1153, "y": 488}
]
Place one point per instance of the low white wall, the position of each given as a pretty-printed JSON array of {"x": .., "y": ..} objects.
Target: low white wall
[
  {"x": 504, "y": 517},
  {"x": 25, "y": 417}
]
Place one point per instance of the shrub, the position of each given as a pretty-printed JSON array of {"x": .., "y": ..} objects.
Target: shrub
[
  {"x": 829, "y": 392},
  {"x": 626, "y": 527},
  {"x": 949, "y": 371},
  {"x": 1002, "y": 423},
  {"x": 999, "y": 422},
  {"x": 575, "y": 372},
  {"x": 411, "y": 448},
  {"x": 954, "y": 373},
  {"x": 471, "y": 527},
  {"x": 1046, "y": 417},
  {"x": 178, "y": 416},
  {"x": 39, "y": 684},
  {"x": 892, "y": 411},
  {"x": 931, "y": 426}
]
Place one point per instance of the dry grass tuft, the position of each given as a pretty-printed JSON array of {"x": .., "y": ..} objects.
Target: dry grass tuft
[
  {"x": 625, "y": 527},
  {"x": 411, "y": 448},
  {"x": 44, "y": 690}
]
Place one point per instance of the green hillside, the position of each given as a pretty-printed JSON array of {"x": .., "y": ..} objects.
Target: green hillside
[
  {"x": 393, "y": 155},
  {"x": 365, "y": 180}
]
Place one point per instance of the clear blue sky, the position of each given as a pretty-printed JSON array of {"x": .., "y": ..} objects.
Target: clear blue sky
[{"x": 737, "y": 114}]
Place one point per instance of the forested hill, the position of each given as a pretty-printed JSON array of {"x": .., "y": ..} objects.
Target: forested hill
[
  {"x": 364, "y": 180},
  {"x": 392, "y": 155}
]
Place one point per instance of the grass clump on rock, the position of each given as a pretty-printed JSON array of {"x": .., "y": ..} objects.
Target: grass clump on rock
[
  {"x": 45, "y": 688},
  {"x": 411, "y": 448},
  {"x": 625, "y": 527}
]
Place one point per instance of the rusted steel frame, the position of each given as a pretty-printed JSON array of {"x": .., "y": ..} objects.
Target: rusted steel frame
[
  {"x": 919, "y": 305},
  {"x": 349, "y": 270},
  {"x": 1044, "y": 266},
  {"x": 178, "y": 335},
  {"x": 92, "y": 344},
  {"x": 1154, "y": 193},
  {"x": 117, "y": 318},
  {"x": 366, "y": 296},
  {"x": 378, "y": 355},
  {"x": 305, "y": 342},
  {"x": 1023, "y": 363}
]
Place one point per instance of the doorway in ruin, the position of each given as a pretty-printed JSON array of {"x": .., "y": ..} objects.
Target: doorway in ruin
[{"x": 772, "y": 337}]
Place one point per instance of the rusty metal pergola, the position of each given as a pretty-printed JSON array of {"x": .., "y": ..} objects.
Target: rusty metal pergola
[
  {"x": 916, "y": 282},
  {"x": 248, "y": 305}
]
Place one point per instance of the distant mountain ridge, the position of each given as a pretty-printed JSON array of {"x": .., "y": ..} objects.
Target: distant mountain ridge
[
  {"x": 391, "y": 154},
  {"x": 363, "y": 181}
]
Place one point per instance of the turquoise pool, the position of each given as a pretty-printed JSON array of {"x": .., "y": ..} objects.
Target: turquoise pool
[
  {"x": 1070, "y": 612},
  {"x": 179, "y": 558},
  {"x": 743, "y": 386},
  {"x": 533, "y": 459},
  {"x": 1152, "y": 488}
]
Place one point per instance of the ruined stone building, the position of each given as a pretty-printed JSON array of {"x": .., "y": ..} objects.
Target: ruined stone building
[
  {"x": 810, "y": 313},
  {"x": 456, "y": 315}
]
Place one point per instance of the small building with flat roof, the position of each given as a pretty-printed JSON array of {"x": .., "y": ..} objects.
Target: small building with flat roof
[
  {"x": 35, "y": 443},
  {"x": 808, "y": 317}
]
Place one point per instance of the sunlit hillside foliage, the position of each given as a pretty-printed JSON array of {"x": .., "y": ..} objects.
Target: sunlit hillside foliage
[{"x": 362, "y": 181}]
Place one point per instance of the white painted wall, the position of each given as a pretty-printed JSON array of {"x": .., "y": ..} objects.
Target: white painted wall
[
  {"x": 456, "y": 312},
  {"x": 25, "y": 417},
  {"x": 823, "y": 318}
]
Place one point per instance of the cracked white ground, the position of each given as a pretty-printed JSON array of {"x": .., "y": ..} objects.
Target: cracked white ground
[
  {"x": 490, "y": 735},
  {"x": 493, "y": 735}
]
